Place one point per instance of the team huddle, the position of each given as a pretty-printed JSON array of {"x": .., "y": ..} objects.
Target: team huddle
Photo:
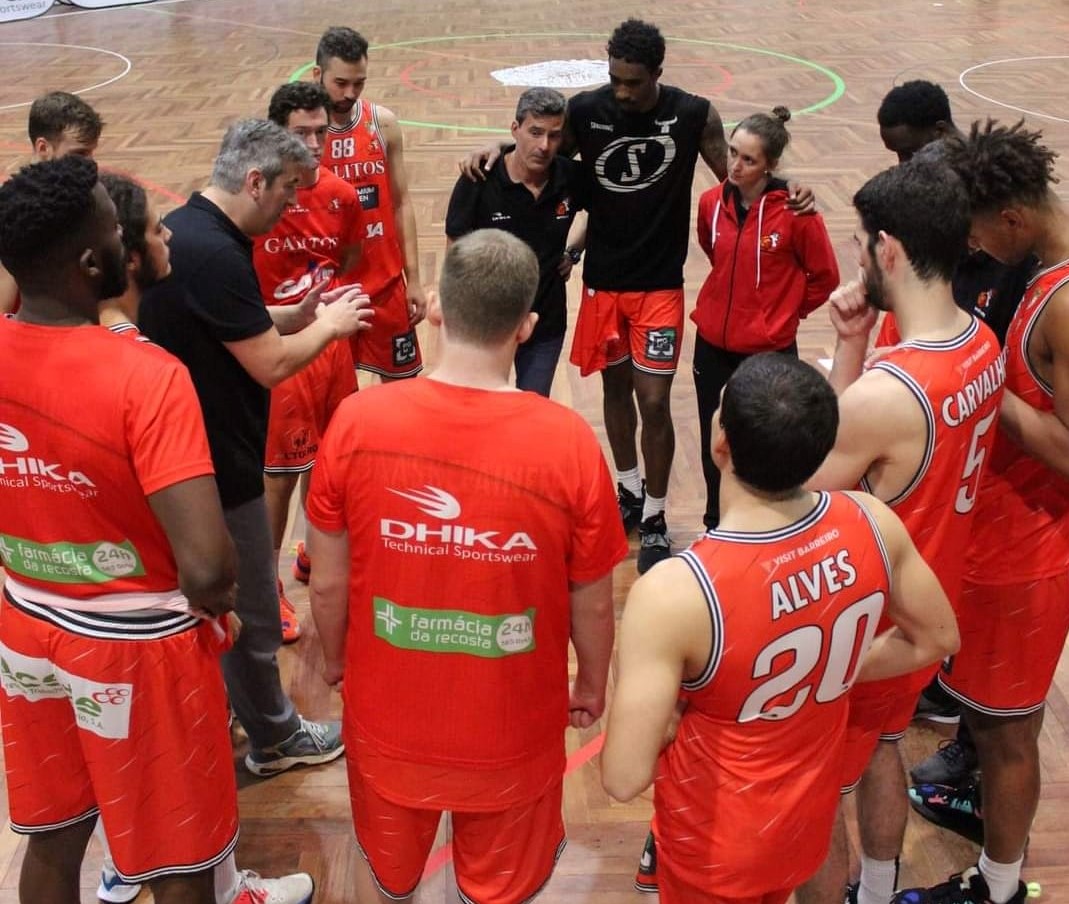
[{"x": 463, "y": 528}]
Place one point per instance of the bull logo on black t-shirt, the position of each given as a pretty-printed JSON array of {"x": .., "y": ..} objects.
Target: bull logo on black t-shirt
[{"x": 632, "y": 164}]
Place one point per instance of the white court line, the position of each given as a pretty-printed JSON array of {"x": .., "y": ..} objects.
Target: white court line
[
  {"x": 999, "y": 103},
  {"x": 102, "y": 84}
]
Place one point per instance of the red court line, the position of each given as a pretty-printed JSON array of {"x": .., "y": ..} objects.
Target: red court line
[
  {"x": 406, "y": 79},
  {"x": 443, "y": 855}
]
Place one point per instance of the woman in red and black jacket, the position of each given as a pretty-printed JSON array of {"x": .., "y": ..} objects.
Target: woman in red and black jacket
[{"x": 771, "y": 268}]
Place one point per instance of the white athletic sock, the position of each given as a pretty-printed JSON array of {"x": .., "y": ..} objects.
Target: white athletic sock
[
  {"x": 877, "y": 881},
  {"x": 226, "y": 880},
  {"x": 653, "y": 506},
  {"x": 1001, "y": 878},
  {"x": 108, "y": 864},
  {"x": 630, "y": 480}
]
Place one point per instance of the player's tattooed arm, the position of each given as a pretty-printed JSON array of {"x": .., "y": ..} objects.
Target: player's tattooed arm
[
  {"x": 714, "y": 144},
  {"x": 478, "y": 163},
  {"x": 1045, "y": 435}
]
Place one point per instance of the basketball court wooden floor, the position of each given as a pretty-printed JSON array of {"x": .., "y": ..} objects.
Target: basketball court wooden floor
[{"x": 168, "y": 77}]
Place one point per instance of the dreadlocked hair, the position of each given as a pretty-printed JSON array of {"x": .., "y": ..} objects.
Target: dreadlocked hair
[{"x": 1001, "y": 165}]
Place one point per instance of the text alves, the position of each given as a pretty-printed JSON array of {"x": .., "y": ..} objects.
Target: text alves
[{"x": 808, "y": 585}]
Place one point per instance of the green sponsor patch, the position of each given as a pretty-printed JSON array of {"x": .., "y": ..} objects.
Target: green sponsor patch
[
  {"x": 71, "y": 563},
  {"x": 454, "y": 630}
]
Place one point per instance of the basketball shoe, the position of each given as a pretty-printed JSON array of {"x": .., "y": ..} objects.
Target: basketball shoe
[
  {"x": 311, "y": 744},
  {"x": 646, "y": 876},
  {"x": 630, "y": 506},
  {"x": 302, "y": 565},
  {"x": 113, "y": 889},
  {"x": 968, "y": 887},
  {"x": 297, "y": 888},
  {"x": 291, "y": 627}
]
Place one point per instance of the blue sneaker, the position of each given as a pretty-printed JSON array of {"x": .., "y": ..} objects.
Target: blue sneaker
[{"x": 113, "y": 889}]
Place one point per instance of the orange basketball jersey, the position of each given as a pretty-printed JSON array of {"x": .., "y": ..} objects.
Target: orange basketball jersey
[
  {"x": 1024, "y": 505},
  {"x": 746, "y": 794},
  {"x": 307, "y": 244},
  {"x": 357, "y": 154},
  {"x": 464, "y": 536},
  {"x": 958, "y": 385},
  {"x": 76, "y": 528}
]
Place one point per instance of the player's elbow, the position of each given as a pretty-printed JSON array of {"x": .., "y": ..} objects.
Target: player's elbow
[
  {"x": 622, "y": 779},
  {"x": 209, "y": 576},
  {"x": 950, "y": 639}
]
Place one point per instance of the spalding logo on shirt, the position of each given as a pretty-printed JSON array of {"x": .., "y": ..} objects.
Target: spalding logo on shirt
[{"x": 632, "y": 164}]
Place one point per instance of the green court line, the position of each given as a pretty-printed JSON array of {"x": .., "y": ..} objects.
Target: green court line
[{"x": 838, "y": 90}]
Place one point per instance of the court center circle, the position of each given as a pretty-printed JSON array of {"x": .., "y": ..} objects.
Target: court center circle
[
  {"x": 127, "y": 66},
  {"x": 962, "y": 80}
]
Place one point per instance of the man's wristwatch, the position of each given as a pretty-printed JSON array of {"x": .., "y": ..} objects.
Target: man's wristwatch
[{"x": 573, "y": 254}]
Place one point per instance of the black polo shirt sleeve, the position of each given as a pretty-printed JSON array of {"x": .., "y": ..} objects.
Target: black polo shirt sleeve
[
  {"x": 460, "y": 218},
  {"x": 578, "y": 182},
  {"x": 226, "y": 298}
]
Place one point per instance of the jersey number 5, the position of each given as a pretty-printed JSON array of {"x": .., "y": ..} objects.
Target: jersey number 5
[
  {"x": 970, "y": 477},
  {"x": 805, "y": 646}
]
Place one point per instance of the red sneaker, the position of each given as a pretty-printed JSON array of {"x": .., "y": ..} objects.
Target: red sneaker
[
  {"x": 302, "y": 565},
  {"x": 291, "y": 628}
]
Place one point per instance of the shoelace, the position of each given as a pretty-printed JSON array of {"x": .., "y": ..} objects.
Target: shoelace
[
  {"x": 951, "y": 752},
  {"x": 317, "y": 732},
  {"x": 252, "y": 883},
  {"x": 953, "y": 891}
]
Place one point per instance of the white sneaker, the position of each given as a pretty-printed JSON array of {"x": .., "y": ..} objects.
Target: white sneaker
[
  {"x": 113, "y": 890},
  {"x": 297, "y": 888}
]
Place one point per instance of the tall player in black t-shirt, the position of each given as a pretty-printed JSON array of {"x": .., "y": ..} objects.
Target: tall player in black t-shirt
[{"x": 639, "y": 142}]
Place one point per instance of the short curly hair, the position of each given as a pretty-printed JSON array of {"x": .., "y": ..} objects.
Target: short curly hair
[
  {"x": 917, "y": 104},
  {"x": 294, "y": 96},
  {"x": 45, "y": 209},
  {"x": 1002, "y": 165},
  {"x": 635, "y": 41}
]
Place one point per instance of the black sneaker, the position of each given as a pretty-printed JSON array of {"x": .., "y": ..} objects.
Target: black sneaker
[
  {"x": 956, "y": 808},
  {"x": 646, "y": 875},
  {"x": 968, "y": 887},
  {"x": 654, "y": 545},
  {"x": 952, "y": 764},
  {"x": 630, "y": 506},
  {"x": 936, "y": 705}
]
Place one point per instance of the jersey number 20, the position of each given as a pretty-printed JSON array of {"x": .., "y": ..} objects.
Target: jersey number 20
[{"x": 805, "y": 645}]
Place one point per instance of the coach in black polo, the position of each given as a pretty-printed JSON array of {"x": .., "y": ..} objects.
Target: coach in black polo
[{"x": 534, "y": 194}]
